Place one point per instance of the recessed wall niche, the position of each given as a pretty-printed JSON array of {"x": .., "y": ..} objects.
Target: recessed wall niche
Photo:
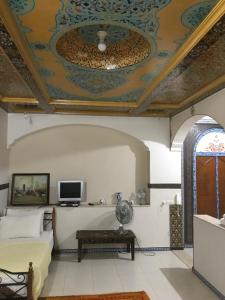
[{"x": 108, "y": 160}]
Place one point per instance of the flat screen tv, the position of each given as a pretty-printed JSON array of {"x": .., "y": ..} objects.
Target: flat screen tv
[{"x": 71, "y": 191}]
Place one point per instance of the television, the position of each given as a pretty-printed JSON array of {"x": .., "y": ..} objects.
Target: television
[{"x": 71, "y": 191}]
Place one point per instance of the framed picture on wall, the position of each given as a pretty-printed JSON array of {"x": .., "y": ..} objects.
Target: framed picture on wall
[{"x": 30, "y": 189}]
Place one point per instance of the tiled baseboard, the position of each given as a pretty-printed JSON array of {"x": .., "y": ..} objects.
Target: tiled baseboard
[
  {"x": 209, "y": 285},
  {"x": 111, "y": 250}
]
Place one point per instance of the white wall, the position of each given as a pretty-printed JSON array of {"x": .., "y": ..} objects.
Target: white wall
[
  {"x": 154, "y": 132},
  {"x": 213, "y": 106},
  {"x": 107, "y": 160},
  {"x": 151, "y": 223},
  {"x": 4, "y": 158}
]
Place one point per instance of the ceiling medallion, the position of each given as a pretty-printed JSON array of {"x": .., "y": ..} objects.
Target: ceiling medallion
[{"x": 103, "y": 47}]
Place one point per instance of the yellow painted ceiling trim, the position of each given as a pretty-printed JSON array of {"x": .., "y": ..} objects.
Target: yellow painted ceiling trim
[
  {"x": 154, "y": 106},
  {"x": 94, "y": 103},
  {"x": 216, "y": 13},
  {"x": 154, "y": 114},
  {"x": 22, "y": 109},
  {"x": 18, "y": 100},
  {"x": 90, "y": 112},
  {"x": 10, "y": 23}
]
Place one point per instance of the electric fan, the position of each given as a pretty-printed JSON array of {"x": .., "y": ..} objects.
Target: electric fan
[{"x": 124, "y": 213}]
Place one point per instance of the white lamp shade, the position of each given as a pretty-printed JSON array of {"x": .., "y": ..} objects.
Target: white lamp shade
[{"x": 102, "y": 46}]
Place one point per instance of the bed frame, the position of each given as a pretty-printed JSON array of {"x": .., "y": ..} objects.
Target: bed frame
[{"x": 21, "y": 282}]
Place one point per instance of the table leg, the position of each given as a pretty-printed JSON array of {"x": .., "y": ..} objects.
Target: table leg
[
  {"x": 132, "y": 249},
  {"x": 128, "y": 247},
  {"x": 79, "y": 250}
]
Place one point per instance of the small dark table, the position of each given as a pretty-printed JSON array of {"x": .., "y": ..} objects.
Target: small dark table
[{"x": 105, "y": 236}]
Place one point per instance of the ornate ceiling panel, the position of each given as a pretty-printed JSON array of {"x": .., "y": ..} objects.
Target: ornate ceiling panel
[
  {"x": 80, "y": 47},
  {"x": 204, "y": 64},
  {"x": 11, "y": 84},
  {"x": 60, "y": 38},
  {"x": 10, "y": 49}
]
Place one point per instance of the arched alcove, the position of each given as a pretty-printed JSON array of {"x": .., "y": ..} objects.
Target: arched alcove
[{"x": 108, "y": 160}]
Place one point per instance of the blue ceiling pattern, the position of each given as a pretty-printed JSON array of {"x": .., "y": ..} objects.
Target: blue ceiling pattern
[
  {"x": 194, "y": 15},
  {"x": 136, "y": 15},
  {"x": 149, "y": 18},
  {"x": 21, "y": 7},
  {"x": 88, "y": 16},
  {"x": 115, "y": 34},
  {"x": 140, "y": 14}
]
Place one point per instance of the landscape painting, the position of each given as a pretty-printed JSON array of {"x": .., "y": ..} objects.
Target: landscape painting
[{"x": 30, "y": 189}]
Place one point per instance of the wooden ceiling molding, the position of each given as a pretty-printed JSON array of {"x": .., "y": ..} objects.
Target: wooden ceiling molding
[
  {"x": 93, "y": 103},
  {"x": 25, "y": 108},
  {"x": 17, "y": 100},
  {"x": 96, "y": 112},
  {"x": 38, "y": 76}
]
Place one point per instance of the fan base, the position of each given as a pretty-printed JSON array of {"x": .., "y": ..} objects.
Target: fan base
[{"x": 121, "y": 230}]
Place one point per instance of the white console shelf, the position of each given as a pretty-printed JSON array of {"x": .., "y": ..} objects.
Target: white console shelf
[{"x": 209, "y": 250}]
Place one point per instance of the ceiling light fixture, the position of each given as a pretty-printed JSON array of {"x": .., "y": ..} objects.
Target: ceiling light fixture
[{"x": 102, "y": 35}]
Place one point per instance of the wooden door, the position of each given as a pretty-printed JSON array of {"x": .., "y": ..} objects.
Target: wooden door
[
  {"x": 206, "y": 185},
  {"x": 221, "y": 175}
]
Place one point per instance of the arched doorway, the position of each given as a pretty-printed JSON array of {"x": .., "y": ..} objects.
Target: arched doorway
[
  {"x": 185, "y": 139},
  {"x": 209, "y": 173},
  {"x": 196, "y": 132}
]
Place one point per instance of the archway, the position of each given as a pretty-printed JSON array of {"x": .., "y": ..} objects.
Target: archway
[{"x": 185, "y": 141}]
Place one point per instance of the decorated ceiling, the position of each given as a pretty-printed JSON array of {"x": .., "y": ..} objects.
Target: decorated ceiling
[{"x": 161, "y": 56}]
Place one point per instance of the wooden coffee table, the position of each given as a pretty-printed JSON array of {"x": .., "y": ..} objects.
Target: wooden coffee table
[{"x": 105, "y": 236}]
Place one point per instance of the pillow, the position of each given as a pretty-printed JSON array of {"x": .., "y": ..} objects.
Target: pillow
[
  {"x": 17, "y": 212},
  {"x": 20, "y": 227}
]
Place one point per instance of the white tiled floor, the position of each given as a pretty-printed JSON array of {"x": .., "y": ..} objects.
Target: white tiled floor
[
  {"x": 186, "y": 256},
  {"x": 163, "y": 276}
]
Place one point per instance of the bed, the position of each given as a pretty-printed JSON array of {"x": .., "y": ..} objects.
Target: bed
[{"x": 24, "y": 260}]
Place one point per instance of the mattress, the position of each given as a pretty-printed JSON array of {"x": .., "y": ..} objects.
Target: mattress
[{"x": 46, "y": 236}]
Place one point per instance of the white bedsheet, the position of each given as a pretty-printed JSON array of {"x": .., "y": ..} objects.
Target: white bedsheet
[{"x": 46, "y": 236}]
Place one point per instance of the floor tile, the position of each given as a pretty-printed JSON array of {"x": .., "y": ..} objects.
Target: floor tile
[{"x": 162, "y": 276}]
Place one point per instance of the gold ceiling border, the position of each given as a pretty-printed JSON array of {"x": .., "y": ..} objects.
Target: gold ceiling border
[
  {"x": 19, "y": 100},
  {"x": 156, "y": 106},
  {"x": 89, "y": 112},
  {"x": 154, "y": 114},
  {"x": 94, "y": 103},
  {"x": 10, "y": 24},
  {"x": 33, "y": 110},
  {"x": 217, "y": 12}
]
